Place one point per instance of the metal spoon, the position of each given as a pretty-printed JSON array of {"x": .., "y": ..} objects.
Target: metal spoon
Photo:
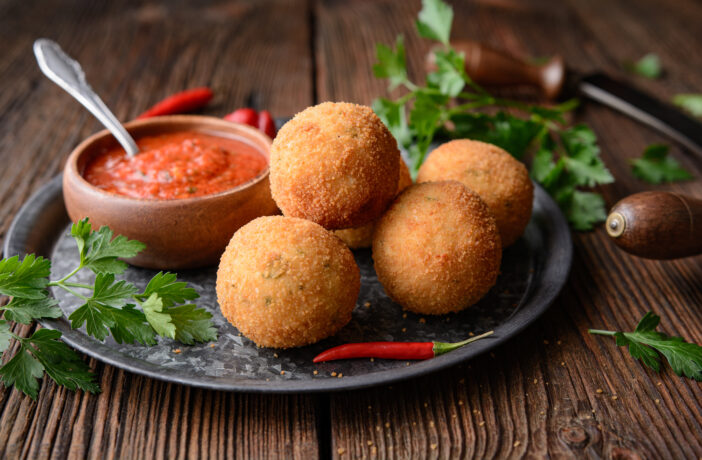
[{"x": 68, "y": 74}]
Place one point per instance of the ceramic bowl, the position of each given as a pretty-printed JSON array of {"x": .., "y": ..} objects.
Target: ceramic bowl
[{"x": 180, "y": 233}]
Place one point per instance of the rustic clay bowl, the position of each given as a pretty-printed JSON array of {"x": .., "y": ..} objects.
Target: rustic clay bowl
[{"x": 181, "y": 233}]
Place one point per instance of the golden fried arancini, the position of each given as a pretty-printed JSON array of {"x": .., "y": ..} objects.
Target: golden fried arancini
[
  {"x": 500, "y": 180},
  {"x": 437, "y": 249},
  {"x": 335, "y": 164},
  {"x": 362, "y": 237},
  {"x": 287, "y": 282}
]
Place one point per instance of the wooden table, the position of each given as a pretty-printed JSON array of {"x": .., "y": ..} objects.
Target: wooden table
[{"x": 552, "y": 391}]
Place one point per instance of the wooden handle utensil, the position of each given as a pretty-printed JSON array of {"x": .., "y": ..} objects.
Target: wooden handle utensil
[
  {"x": 490, "y": 67},
  {"x": 657, "y": 225}
]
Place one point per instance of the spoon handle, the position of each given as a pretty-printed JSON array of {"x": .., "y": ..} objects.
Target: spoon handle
[{"x": 68, "y": 74}]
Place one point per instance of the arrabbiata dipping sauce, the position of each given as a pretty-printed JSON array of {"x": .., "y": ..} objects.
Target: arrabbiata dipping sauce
[{"x": 176, "y": 165}]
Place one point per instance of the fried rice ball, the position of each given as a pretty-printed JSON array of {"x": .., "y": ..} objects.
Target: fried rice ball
[
  {"x": 287, "y": 282},
  {"x": 362, "y": 237},
  {"x": 500, "y": 180},
  {"x": 335, "y": 164},
  {"x": 437, "y": 249}
]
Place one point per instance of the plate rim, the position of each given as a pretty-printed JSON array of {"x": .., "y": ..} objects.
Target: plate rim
[{"x": 540, "y": 299}]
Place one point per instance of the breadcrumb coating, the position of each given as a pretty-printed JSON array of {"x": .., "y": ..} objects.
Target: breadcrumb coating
[
  {"x": 362, "y": 237},
  {"x": 437, "y": 249},
  {"x": 335, "y": 164},
  {"x": 287, "y": 282},
  {"x": 500, "y": 180}
]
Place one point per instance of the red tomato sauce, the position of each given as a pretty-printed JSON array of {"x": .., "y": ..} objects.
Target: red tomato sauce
[{"x": 176, "y": 165}]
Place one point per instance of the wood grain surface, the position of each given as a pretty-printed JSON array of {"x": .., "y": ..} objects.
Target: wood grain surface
[{"x": 554, "y": 391}]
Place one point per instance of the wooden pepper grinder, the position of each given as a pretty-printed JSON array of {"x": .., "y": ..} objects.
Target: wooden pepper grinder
[
  {"x": 489, "y": 67},
  {"x": 657, "y": 225}
]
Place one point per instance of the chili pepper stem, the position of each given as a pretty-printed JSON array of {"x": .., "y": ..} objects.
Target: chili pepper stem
[
  {"x": 600, "y": 332},
  {"x": 442, "y": 347}
]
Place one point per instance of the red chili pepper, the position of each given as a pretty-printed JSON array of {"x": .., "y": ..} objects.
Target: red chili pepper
[
  {"x": 263, "y": 120},
  {"x": 393, "y": 350},
  {"x": 246, "y": 116},
  {"x": 266, "y": 123},
  {"x": 182, "y": 102}
]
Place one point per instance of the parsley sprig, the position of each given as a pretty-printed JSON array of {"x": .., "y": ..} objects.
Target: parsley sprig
[
  {"x": 109, "y": 307},
  {"x": 567, "y": 159},
  {"x": 656, "y": 166},
  {"x": 645, "y": 343}
]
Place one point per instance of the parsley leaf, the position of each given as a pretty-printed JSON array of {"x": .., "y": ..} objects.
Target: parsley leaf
[
  {"x": 391, "y": 63},
  {"x": 160, "y": 321},
  {"x": 168, "y": 289},
  {"x": 5, "y": 335},
  {"x": 648, "y": 66},
  {"x": 25, "y": 311},
  {"x": 26, "y": 279},
  {"x": 192, "y": 324},
  {"x": 656, "y": 166},
  {"x": 584, "y": 209},
  {"x": 62, "y": 364},
  {"x": 684, "y": 358},
  {"x": 582, "y": 159},
  {"x": 99, "y": 250},
  {"x": 690, "y": 102},
  {"x": 450, "y": 76},
  {"x": 393, "y": 115},
  {"x": 434, "y": 20},
  {"x": 22, "y": 371}
]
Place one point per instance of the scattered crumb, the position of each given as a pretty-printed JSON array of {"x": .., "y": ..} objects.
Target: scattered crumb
[
  {"x": 404, "y": 329},
  {"x": 454, "y": 415},
  {"x": 275, "y": 355},
  {"x": 340, "y": 451},
  {"x": 431, "y": 424},
  {"x": 426, "y": 404},
  {"x": 599, "y": 426},
  {"x": 658, "y": 401},
  {"x": 370, "y": 443},
  {"x": 562, "y": 363},
  {"x": 374, "y": 450},
  {"x": 340, "y": 375},
  {"x": 282, "y": 372},
  {"x": 516, "y": 443},
  {"x": 404, "y": 315},
  {"x": 212, "y": 345},
  {"x": 333, "y": 374},
  {"x": 462, "y": 381},
  {"x": 177, "y": 350},
  {"x": 433, "y": 447},
  {"x": 542, "y": 413},
  {"x": 536, "y": 381},
  {"x": 268, "y": 380},
  {"x": 475, "y": 411},
  {"x": 460, "y": 403},
  {"x": 377, "y": 428},
  {"x": 422, "y": 320},
  {"x": 599, "y": 391},
  {"x": 588, "y": 417},
  {"x": 545, "y": 342},
  {"x": 387, "y": 424},
  {"x": 315, "y": 372},
  {"x": 470, "y": 334},
  {"x": 558, "y": 343},
  {"x": 407, "y": 363},
  {"x": 372, "y": 359},
  {"x": 414, "y": 423},
  {"x": 615, "y": 397},
  {"x": 659, "y": 383},
  {"x": 593, "y": 411},
  {"x": 370, "y": 407},
  {"x": 481, "y": 423},
  {"x": 367, "y": 304}
]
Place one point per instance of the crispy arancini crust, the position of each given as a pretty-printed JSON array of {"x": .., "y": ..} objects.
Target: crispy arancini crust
[
  {"x": 335, "y": 164},
  {"x": 287, "y": 282},
  {"x": 437, "y": 249},
  {"x": 500, "y": 180},
  {"x": 362, "y": 237}
]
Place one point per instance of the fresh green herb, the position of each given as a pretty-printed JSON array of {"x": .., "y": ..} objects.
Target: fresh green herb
[
  {"x": 684, "y": 358},
  {"x": 656, "y": 166},
  {"x": 109, "y": 306},
  {"x": 566, "y": 158},
  {"x": 648, "y": 66},
  {"x": 691, "y": 102}
]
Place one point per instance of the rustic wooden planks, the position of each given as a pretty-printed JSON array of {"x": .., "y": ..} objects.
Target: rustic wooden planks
[
  {"x": 555, "y": 390},
  {"x": 537, "y": 396}
]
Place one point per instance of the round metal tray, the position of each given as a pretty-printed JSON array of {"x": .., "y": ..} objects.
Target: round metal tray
[{"x": 533, "y": 272}]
